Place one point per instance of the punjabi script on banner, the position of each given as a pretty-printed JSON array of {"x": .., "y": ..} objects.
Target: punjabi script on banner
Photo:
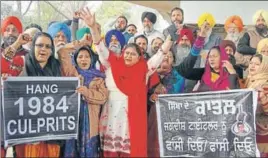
[{"x": 215, "y": 124}]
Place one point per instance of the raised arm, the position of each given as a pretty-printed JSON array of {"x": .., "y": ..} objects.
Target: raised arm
[
  {"x": 90, "y": 20},
  {"x": 68, "y": 69},
  {"x": 9, "y": 52},
  {"x": 154, "y": 62},
  {"x": 186, "y": 68},
  {"x": 75, "y": 25}
]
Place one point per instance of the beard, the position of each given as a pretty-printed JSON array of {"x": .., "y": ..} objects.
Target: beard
[
  {"x": 155, "y": 49},
  {"x": 233, "y": 37},
  {"x": 182, "y": 52},
  {"x": 178, "y": 24},
  {"x": 148, "y": 29},
  {"x": 115, "y": 48},
  {"x": 262, "y": 29},
  {"x": 9, "y": 40},
  {"x": 117, "y": 27}
]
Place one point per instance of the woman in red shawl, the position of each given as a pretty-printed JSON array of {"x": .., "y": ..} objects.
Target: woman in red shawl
[{"x": 123, "y": 125}]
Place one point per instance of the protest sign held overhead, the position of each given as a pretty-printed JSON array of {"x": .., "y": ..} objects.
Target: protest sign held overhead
[
  {"x": 40, "y": 108},
  {"x": 214, "y": 124}
]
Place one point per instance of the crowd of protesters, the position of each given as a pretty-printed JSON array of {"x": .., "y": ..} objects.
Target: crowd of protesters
[{"x": 123, "y": 71}]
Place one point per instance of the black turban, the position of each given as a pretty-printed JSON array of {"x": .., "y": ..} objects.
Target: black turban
[{"x": 149, "y": 15}]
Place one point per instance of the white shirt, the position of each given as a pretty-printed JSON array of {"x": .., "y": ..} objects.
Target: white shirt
[{"x": 150, "y": 36}]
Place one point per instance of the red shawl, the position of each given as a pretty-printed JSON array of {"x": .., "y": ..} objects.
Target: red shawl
[
  {"x": 222, "y": 83},
  {"x": 131, "y": 80},
  {"x": 14, "y": 67}
]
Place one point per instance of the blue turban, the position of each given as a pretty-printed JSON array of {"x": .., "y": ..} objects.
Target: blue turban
[
  {"x": 56, "y": 27},
  {"x": 120, "y": 37}
]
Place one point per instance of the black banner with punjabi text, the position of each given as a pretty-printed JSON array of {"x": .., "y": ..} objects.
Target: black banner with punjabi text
[{"x": 209, "y": 124}]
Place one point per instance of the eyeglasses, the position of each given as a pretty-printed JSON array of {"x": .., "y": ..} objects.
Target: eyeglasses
[{"x": 41, "y": 45}]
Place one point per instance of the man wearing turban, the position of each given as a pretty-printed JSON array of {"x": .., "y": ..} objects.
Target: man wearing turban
[
  {"x": 148, "y": 20},
  {"x": 115, "y": 41},
  {"x": 177, "y": 18},
  {"x": 11, "y": 28},
  {"x": 234, "y": 28},
  {"x": 61, "y": 34},
  {"x": 12, "y": 51},
  {"x": 181, "y": 50},
  {"x": 248, "y": 43},
  {"x": 262, "y": 47},
  {"x": 211, "y": 39},
  {"x": 183, "y": 45}
]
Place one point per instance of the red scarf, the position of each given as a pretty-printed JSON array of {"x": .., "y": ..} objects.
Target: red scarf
[
  {"x": 131, "y": 80},
  {"x": 222, "y": 83}
]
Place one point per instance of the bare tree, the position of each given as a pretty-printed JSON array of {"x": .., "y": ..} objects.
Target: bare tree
[
  {"x": 28, "y": 8},
  {"x": 57, "y": 10},
  {"x": 19, "y": 9},
  {"x": 39, "y": 11},
  {"x": 6, "y": 10}
]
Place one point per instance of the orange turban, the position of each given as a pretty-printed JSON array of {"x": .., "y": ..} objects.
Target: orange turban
[
  {"x": 236, "y": 20},
  {"x": 11, "y": 20}
]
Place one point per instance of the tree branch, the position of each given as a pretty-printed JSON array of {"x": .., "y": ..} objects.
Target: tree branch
[
  {"x": 28, "y": 8},
  {"x": 57, "y": 10}
]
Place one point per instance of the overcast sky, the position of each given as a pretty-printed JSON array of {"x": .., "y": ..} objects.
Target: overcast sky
[
  {"x": 193, "y": 9},
  {"x": 222, "y": 9}
]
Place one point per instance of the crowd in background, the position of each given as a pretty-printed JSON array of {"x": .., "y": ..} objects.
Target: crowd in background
[{"x": 123, "y": 71}]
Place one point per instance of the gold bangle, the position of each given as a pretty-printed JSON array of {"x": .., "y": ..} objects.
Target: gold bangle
[{"x": 9, "y": 53}]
